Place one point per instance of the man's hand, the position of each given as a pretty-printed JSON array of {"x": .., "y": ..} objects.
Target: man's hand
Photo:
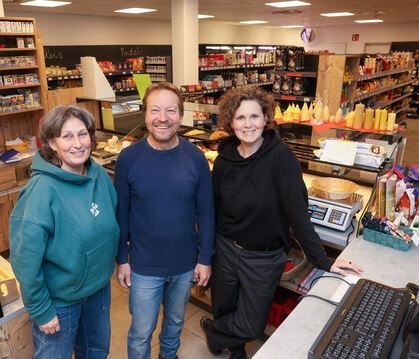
[
  {"x": 124, "y": 275},
  {"x": 202, "y": 274},
  {"x": 340, "y": 264},
  {"x": 51, "y": 327}
]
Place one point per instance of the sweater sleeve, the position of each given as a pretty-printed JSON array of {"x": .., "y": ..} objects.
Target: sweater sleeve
[
  {"x": 28, "y": 241},
  {"x": 205, "y": 214},
  {"x": 294, "y": 201},
  {"x": 123, "y": 208}
]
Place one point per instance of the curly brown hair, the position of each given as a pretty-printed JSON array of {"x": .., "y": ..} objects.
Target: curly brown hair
[
  {"x": 51, "y": 124},
  {"x": 163, "y": 86},
  {"x": 231, "y": 101}
]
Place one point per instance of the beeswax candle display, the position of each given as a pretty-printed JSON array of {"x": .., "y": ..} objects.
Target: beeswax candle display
[
  {"x": 383, "y": 120},
  {"x": 391, "y": 121},
  {"x": 377, "y": 119},
  {"x": 359, "y": 111},
  {"x": 369, "y": 114}
]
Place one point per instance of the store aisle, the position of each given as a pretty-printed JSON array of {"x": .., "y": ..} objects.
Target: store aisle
[{"x": 192, "y": 339}]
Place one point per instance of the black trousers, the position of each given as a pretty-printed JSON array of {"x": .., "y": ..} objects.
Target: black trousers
[{"x": 242, "y": 291}]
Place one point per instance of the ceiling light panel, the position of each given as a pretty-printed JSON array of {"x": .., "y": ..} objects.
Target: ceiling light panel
[
  {"x": 202, "y": 16},
  {"x": 250, "y": 22},
  {"x": 287, "y": 3},
  {"x": 368, "y": 21},
  {"x": 291, "y": 26},
  {"x": 45, "y": 3},
  {"x": 135, "y": 10},
  {"x": 336, "y": 14}
]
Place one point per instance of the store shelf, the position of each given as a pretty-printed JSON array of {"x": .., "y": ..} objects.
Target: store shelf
[
  {"x": 404, "y": 108},
  {"x": 124, "y": 72},
  {"x": 128, "y": 89},
  {"x": 294, "y": 98},
  {"x": 223, "y": 89},
  {"x": 155, "y": 72},
  {"x": 293, "y": 283},
  {"x": 19, "y": 86},
  {"x": 389, "y": 102},
  {"x": 155, "y": 63},
  {"x": 18, "y": 68},
  {"x": 297, "y": 74},
  {"x": 67, "y": 77},
  {"x": 21, "y": 111},
  {"x": 17, "y": 34},
  {"x": 381, "y": 90},
  {"x": 231, "y": 67},
  {"x": 18, "y": 49},
  {"x": 383, "y": 73}
]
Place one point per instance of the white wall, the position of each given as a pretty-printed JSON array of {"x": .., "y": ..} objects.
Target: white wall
[
  {"x": 58, "y": 29},
  {"x": 62, "y": 29},
  {"x": 368, "y": 33}
]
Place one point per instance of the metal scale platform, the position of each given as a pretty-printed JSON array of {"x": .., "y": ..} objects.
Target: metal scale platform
[{"x": 336, "y": 214}]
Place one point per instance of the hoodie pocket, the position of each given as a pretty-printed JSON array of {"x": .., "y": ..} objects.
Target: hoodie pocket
[{"x": 100, "y": 264}]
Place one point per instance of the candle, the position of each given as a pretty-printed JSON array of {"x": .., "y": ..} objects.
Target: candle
[
  {"x": 383, "y": 119},
  {"x": 350, "y": 119},
  {"x": 391, "y": 121},
  {"x": 377, "y": 119},
  {"x": 369, "y": 114},
  {"x": 359, "y": 110}
]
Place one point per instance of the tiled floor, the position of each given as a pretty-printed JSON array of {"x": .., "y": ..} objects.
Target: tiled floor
[{"x": 192, "y": 344}]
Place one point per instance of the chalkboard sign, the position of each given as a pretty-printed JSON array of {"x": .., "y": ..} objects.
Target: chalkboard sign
[
  {"x": 68, "y": 56},
  {"x": 405, "y": 46}
]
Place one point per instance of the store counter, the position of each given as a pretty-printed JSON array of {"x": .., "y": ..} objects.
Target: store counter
[{"x": 298, "y": 332}]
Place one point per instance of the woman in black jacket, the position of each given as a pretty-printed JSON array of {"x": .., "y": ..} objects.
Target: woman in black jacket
[{"x": 259, "y": 194}]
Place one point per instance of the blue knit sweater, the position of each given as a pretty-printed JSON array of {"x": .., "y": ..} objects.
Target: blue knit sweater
[{"x": 162, "y": 195}]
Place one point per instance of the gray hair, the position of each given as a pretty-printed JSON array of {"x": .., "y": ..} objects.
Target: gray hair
[{"x": 52, "y": 123}]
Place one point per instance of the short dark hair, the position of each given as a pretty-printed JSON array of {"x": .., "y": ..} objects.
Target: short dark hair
[
  {"x": 231, "y": 101},
  {"x": 52, "y": 123},
  {"x": 163, "y": 86}
]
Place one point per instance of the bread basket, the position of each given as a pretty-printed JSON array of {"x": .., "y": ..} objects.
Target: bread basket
[
  {"x": 299, "y": 257},
  {"x": 333, "y": 188}
]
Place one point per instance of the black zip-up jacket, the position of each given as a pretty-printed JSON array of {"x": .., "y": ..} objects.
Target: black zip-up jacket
[{"x": 258, "y": 199}]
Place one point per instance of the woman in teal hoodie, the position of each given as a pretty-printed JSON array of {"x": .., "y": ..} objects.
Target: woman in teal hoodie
[{"x": 64, "y": 239}]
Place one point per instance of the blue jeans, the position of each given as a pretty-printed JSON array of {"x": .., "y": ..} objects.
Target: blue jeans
[
  {"x": 85, "y": 327},
  {"x": 146, "y": 294}
]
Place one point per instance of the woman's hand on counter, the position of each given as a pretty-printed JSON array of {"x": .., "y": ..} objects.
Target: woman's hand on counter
[
  {"x": 51, "y": 327},
  {"x": 341, "y": 264}
]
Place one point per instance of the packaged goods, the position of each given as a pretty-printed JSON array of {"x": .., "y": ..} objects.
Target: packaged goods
[
  {"x": 286, "y": 88},
  {"x": 391, "y": 197},
  {"x": 20, "y": 42},
  {"x": 298, "y": 86},
  {"x": 291, "y": 60}
]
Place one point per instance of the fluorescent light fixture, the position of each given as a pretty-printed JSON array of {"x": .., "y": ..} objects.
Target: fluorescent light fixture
[
  {"x": 135, "y": 10},
  {"x": 267, "y": 47},
  {"x": 287, "y": 3},
  {"x": 368, "y": 21},
  {"x": 291, "y": 26},
  {"x": 243, "y": 47},
  {"x": 250, "y": 22},
  {"x": 335, "y": 14},
  {"x": 218, "y": 47},
  {"x": 202, "y": 16},
  {"x": 46, "y": 3}
]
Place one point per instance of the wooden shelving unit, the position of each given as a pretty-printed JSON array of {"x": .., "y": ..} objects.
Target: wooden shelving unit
[{"x": 19, "y": 123}]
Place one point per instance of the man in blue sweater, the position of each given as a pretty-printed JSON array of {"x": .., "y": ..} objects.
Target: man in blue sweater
[{"x": 164, "y": 190}]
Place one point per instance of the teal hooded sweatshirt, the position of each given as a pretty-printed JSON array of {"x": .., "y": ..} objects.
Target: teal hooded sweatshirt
[{"x": 63, "y": 237}]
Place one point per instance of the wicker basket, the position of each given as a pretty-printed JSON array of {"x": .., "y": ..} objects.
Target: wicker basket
[{"x": 295, "y": 252}]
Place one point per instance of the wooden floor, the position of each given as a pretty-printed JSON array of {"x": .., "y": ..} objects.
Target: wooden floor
[{"x": 411, "y": 155}]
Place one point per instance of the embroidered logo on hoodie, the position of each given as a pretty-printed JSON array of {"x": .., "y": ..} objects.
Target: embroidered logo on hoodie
[{"x": 94, "y": 210}]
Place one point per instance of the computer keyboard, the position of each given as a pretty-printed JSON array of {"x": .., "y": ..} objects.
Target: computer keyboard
[{"x": 364, "y": 325}]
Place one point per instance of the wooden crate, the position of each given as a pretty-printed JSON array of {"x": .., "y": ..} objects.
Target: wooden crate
[{"x": 16, "y": 338}]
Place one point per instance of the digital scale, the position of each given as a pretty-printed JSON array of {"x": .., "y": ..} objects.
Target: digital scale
[{"x": 336, "y": 214}]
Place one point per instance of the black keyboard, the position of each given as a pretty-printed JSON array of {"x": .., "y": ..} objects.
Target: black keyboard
[{"x": 364, "y": 325}]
